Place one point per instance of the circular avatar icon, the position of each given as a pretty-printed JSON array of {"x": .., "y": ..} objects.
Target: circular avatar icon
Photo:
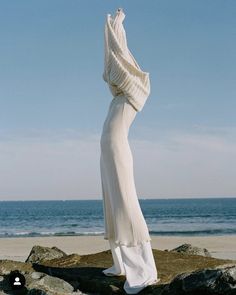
[{"x": 17, "y": 280}]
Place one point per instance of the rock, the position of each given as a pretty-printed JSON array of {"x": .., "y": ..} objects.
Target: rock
[
  {"x": 6, "y": 266},
  {"x": 39, "y": 253},
  {"x": 217, "y": 281},
  {"x": 189, "y": 249},
  {"x": 81, "y": 293},
  {"x": 88, "y": 270},
  {"x": 36, "y": 282},
  {"x": 37, "y": 292},
  {"x": 41, "y": 292},
  {"x": 73, "y": 274},
  {"x": 71, "y": 260},
  {"x": 51, "y": 284},
  {"x": 37, "y": 275}
]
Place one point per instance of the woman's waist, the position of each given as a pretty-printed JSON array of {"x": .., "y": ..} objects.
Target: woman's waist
[{"x": 119, "y": 98}]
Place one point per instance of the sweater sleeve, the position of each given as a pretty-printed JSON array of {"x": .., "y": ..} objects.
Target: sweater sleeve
[{"x": 121, "y": 70}]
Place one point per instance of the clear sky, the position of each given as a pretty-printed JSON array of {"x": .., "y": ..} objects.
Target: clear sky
[{"x": 53, "y": 101}]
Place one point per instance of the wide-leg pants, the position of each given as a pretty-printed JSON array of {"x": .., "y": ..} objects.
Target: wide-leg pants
[
  {"x": 125, "y": 226},
  {"x": 136, "y": 263}
]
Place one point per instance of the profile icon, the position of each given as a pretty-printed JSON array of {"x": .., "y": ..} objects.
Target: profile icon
[{"x": 17, "y": 280}]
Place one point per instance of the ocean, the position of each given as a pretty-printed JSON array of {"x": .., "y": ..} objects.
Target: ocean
[{"x": 188, "y": 217}]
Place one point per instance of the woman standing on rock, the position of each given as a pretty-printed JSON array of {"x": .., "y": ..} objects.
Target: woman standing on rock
[{"x": 125, "y": 226}]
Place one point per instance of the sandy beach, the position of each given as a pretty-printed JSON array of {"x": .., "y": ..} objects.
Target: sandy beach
[{"x": 19, "y": 248}]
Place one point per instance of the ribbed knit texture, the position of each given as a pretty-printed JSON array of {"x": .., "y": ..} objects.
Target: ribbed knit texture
[{"x": 121, "y": 70}]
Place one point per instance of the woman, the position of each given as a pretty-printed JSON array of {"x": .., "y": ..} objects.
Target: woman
[{"x": 125, "y": 226}]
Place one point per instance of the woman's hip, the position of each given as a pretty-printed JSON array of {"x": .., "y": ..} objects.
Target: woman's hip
[{"x": 120, "y": 115}]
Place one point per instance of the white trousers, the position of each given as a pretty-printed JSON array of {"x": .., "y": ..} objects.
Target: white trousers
[{"x": 136, "y": 263}]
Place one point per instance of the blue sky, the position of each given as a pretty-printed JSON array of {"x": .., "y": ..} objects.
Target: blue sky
[{"x": 53, "y": 99}]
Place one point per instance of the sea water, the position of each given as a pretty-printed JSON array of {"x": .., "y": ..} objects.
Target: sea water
[{"x": 190, "y": 217}]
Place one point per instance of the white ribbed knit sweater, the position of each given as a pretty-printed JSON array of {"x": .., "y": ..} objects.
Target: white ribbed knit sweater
[{"x": 121, "y": 71}]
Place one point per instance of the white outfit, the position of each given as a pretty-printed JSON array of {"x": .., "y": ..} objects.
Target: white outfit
[
  {"x": 125, "y": 226},
  {"x": 124, "y": 220},
  {"x": 137, "y": 263}
]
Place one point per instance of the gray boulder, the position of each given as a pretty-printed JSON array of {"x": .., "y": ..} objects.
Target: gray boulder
[
  {"x": 193, "y": 250},
  {"x": 51, "y": 284},
  {"x": 39, "y": 254},
  {"x": 217, "y": 281}
]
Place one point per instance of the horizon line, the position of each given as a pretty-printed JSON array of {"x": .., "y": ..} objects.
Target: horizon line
[{"x": 64, "y": 200}]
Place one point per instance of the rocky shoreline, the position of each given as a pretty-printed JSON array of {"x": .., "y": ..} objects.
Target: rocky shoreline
[{"x": 185, "y": 270}]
